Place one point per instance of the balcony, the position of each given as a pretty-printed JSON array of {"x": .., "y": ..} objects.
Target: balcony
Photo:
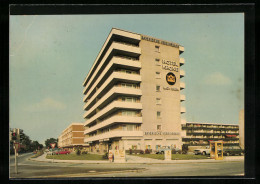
[
  {"x": 114, "y": 134},
  {"x": 182, "y": 61},
  {"x": 182, "y": 85},
  {"x": 112, "y": 107},
  {"x": 108, "y": 97},
  {"x": 116, "y": 47},
  {"x": 183, "y": 110},
  {"x": 115, "y": 76},
  {"x": 114, "y": 34},
  {"x": 114, "y": 119},
  {"x": 181, "y": 49},
  {"x": 182, "y": 73},
  {"x": 182, "y": 98},
  {"x": 127, "y": 62}
]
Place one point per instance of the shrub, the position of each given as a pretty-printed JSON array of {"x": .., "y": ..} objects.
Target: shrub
[
  {"x": 141, "y": 152},
  {"x": 78, "y": 152},
  {"x": 147, "y": 151},
  {"x": 105, "y": 156},
  {"x": 130, "y": 151},
  {"x": 84, "y": 152}
]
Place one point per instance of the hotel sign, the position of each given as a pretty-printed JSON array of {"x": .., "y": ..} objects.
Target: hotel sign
[
  {"x": 161, "y": 133},
  {"x": 159, "y": 41},
  {"x": 170, "y": 65}
]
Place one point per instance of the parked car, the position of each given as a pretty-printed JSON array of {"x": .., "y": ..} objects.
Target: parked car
[
  {"x": 202, "y": 151},
  {"x": 60, "y": 152},
  {"x": 233, "y": 150},
  {"x": 52, "y": 151}
]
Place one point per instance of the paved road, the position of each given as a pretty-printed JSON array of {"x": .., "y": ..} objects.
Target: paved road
[{"x": 34, "y": 169}]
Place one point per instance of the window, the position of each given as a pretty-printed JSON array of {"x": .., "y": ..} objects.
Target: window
[
  {"x": 158, "y": 101},
  {"x": 157, "y": 48},
  {"x": 158, "y": 114},
  {"x": 159, "y": 127},
  {"x": 157, "y": 61},
  {"x": 157, "y": 75},
  {"x": 158, "y": 88}
]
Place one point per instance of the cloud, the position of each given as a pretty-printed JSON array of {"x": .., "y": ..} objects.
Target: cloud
[
  {"x": 46, "y": 104},
  {"x": 217, "y": 78}
]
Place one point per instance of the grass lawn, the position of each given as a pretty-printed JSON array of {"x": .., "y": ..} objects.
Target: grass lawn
[
  {"x": 174, "y": 156},
  {"x": 76, "y": 157},
  {"x": 39, "y": 153}
]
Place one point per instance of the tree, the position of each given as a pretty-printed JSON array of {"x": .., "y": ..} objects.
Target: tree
[{"x": 49, "y": 141}]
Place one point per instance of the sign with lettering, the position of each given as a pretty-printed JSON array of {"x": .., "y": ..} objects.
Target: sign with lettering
[
  {"x": 171, "y": 89},
  {"x": 161, "y": 133},
  {"x": 159, "y": 41},
  {"x": 167, "y": 155},
  {"x": 170, "y": 65},
  {"x": 170, "y": 78},
  {"x": 119, "y": 156}
]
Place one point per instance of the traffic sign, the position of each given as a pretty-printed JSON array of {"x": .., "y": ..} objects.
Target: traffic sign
[{"x": 53, "y": 145}]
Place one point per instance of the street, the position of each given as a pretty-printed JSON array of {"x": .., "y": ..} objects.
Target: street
[{"x": 34, "y": 169}]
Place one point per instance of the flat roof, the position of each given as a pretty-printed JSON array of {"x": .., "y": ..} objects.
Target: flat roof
[
  {"x": 113, "y": 28},
  {"x": 213, "y": 123}
]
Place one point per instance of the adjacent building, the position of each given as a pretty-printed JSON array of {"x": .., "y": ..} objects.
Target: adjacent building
[
  {"x": 72, "y": 137},
  {"x": 200, "y": 134},
  {"x": 133, "y": 94},
  {"x": 241, "y": 128}
]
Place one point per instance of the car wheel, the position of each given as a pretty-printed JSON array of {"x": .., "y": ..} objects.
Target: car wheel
[
  {"x": 203, "y": 153},
  {"x": 162, "y": 152}
]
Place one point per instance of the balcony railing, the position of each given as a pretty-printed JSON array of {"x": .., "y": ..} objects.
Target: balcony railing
[
  {"x": 113, "y": 134},
  {"x": 112, "y": 106},
  {"x": 112, "y": 120},
  {"x": 113, "y": 76}
]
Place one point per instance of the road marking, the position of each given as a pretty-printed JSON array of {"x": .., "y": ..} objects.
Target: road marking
[{"x": 86, "y": 174}]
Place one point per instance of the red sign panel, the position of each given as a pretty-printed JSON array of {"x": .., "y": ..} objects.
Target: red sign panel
[{"x": 53, "y": 145}]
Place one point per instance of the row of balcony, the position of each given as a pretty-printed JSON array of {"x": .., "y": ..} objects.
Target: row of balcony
[
  {"x": 111, "y": 80},
  {"x": 114, "y": 49},
  {"x": 113, "y": 134},
  {"x": 114, "y": 35}
]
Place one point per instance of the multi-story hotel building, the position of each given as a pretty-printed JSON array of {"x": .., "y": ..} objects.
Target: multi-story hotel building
[
  {"x": 200, "y": 134},
  {"x": 132, "y": 94},
  {"x": 72, "y": 137}
]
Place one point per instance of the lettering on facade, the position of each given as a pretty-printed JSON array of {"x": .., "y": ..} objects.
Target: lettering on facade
[
  {"x": 159, "y": 41},
  {"x": 170, "y": 65},
  {"x": 161, "y": 133},
  {"x": 171, "y": 89}
]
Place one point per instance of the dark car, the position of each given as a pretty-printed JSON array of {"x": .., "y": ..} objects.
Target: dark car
[{"x": 233, "y": 150}]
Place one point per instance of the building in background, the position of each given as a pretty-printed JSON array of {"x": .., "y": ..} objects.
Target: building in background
[
  {"x": 72, "y": 137},
  {"x": 132, "y": 94},
  {"x": 241, "y": 129},
  {"x": 200, "y": 134}
]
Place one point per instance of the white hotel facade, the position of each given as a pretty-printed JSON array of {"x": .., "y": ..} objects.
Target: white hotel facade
[{"x": 132, "y": 94}]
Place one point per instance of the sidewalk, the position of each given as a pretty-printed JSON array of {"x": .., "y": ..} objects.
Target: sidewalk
[{"x": 139, "y": 160}]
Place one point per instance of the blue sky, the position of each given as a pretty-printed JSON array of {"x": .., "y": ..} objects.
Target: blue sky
[{"x": 50, "y": 56}]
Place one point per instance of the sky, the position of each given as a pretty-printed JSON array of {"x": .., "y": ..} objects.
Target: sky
[{"x": 50, "y": 56}]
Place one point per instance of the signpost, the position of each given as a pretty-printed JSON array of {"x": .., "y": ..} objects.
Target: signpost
[
  {"x": 16, "y": 147},
  {"x": 53, "y": 146},
  {"x": 167, "y": 155}
]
